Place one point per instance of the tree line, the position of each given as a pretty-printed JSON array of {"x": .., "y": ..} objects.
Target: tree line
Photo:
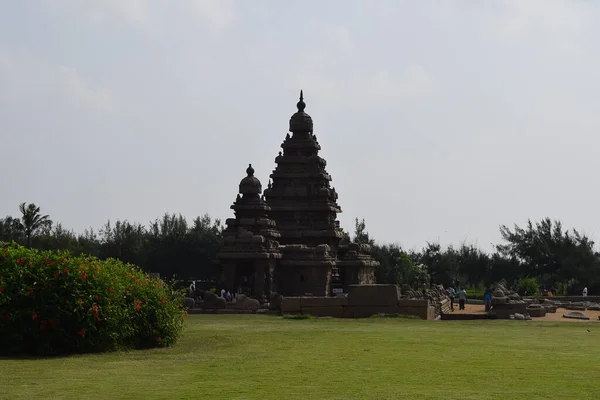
[{"x": 541, "y": 251}]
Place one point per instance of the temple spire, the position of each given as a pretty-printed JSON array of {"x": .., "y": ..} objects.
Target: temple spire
[{"x": 301, "y": 105}]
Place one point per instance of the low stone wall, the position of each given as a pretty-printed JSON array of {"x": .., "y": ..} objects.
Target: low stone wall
[
  {"x": 337, "y": 308},
  {"x": 363, "y": 301},
  {"x": 593, "y": 299},
  {"x": 504, "y": 311}
]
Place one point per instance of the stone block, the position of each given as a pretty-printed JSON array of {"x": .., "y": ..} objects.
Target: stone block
[
  {"x": 323, "y": 301},
  {"x": 504, "y": 311},
  {"x": 290, "y": 305},
  {"x": 499, "y": 300},
  {"x": 373, "y": 295},
  {"x": 536, "y": 312},
  {"x": 550, "y": 308},
  {"x": 414, "y": 303}
]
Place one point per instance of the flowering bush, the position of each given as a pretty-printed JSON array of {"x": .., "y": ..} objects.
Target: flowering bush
[{"x": 54, "y": 303}]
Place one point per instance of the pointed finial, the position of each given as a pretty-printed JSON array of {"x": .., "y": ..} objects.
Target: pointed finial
[
  {"x": 301, "y": 105},
  {"x": 250, "y": 170}
]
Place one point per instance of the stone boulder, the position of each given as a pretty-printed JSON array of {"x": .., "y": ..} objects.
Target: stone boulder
[
  {"x": 576, "y": 315},
  {"x": 244, "y": 302},
  {"x": 514, "y": 296},
  {"x": 275, "y": 302},
  {"x": 188, "y": 302},
  {"x": 212, "y": 301}
]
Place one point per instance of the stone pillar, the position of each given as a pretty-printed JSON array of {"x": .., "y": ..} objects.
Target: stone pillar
[
  {"x": 258, "y": 291},
  {"x": 269, "y": 273}
]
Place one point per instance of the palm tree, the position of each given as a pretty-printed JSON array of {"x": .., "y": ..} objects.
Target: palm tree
[{"x": 32, "y": 220}]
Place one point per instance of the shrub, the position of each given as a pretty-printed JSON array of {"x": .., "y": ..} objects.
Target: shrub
[
  {"x": 528, "y": 287},
  {"x": 54, "y": 303}
]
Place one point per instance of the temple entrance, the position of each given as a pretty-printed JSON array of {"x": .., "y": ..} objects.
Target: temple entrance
[{"x": 244, "y": 279}]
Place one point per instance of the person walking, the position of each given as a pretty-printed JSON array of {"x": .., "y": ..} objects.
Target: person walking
[
  {"x": 452, "y": 295},
  {"x": 462, "y": 298}
]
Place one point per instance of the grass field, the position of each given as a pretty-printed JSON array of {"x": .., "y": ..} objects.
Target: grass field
[{"x": 260, "y": 357}]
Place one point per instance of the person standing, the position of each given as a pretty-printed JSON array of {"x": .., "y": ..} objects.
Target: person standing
[
  {"x": 487, "y": 299},
  {"x": 462, "y": 298},
  {"x": 585, "y": 291},
  {"x": 452, "y": 295}
]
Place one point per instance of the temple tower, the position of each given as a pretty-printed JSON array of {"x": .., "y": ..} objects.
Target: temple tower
[
  {"x": 250, "y": 247},
  {"x": 304, "y": 207},
  {"x": 302, "y": 202}
]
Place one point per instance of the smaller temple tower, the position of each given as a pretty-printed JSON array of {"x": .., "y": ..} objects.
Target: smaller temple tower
[{"x": 250, "y": 242}]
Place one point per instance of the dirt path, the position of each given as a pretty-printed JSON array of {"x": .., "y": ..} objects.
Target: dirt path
[{"x": 557, "y": 316}]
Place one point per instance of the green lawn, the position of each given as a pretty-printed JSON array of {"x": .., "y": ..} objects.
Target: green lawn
[{"x": 260, "y": 357}]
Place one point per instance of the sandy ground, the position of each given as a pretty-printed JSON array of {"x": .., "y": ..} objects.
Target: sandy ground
[{"x": 558, "y": 316}]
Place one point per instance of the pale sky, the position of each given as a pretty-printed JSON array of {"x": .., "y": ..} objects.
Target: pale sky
[{"x": 439, "y": 120}]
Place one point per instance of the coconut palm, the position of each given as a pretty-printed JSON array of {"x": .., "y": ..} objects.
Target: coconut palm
[{"x": 32, "y": 220}]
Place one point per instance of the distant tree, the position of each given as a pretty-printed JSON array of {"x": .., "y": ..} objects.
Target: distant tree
[
  {"x": 473, "y": 264},
  {"x": 11, "y": 229},
  {"x": 125, "y": 241},
  {"x": 442, "y": 266},
  {"x": 32, "y": 221},
  {"x": 360, "y": 233},
  {"x": 551, "y": 255}
]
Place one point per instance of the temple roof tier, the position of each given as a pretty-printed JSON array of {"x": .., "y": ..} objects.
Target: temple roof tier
[
  {"x": 300, "y": 175},
  {"x": 250, "y": 184}
]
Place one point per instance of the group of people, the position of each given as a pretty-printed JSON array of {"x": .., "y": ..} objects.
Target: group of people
[
  {"x": 549, "y": 291},
  {"x": 198, "y": 293},
  {"x": 462, "y": 298},
  {"x": 226, "y": 294}
]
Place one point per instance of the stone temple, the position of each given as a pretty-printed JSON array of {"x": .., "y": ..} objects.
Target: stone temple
[{"x": 287, "y": 239}]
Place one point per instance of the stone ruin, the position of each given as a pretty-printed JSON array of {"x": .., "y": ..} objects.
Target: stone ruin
[
  {"x": 286, "y": 239},
  {"x": 437, "y": 296},
  {"x": 507, "y": 303}
]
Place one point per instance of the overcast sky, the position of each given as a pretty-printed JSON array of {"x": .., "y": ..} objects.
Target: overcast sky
[{"x": 439, "y": 120}]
